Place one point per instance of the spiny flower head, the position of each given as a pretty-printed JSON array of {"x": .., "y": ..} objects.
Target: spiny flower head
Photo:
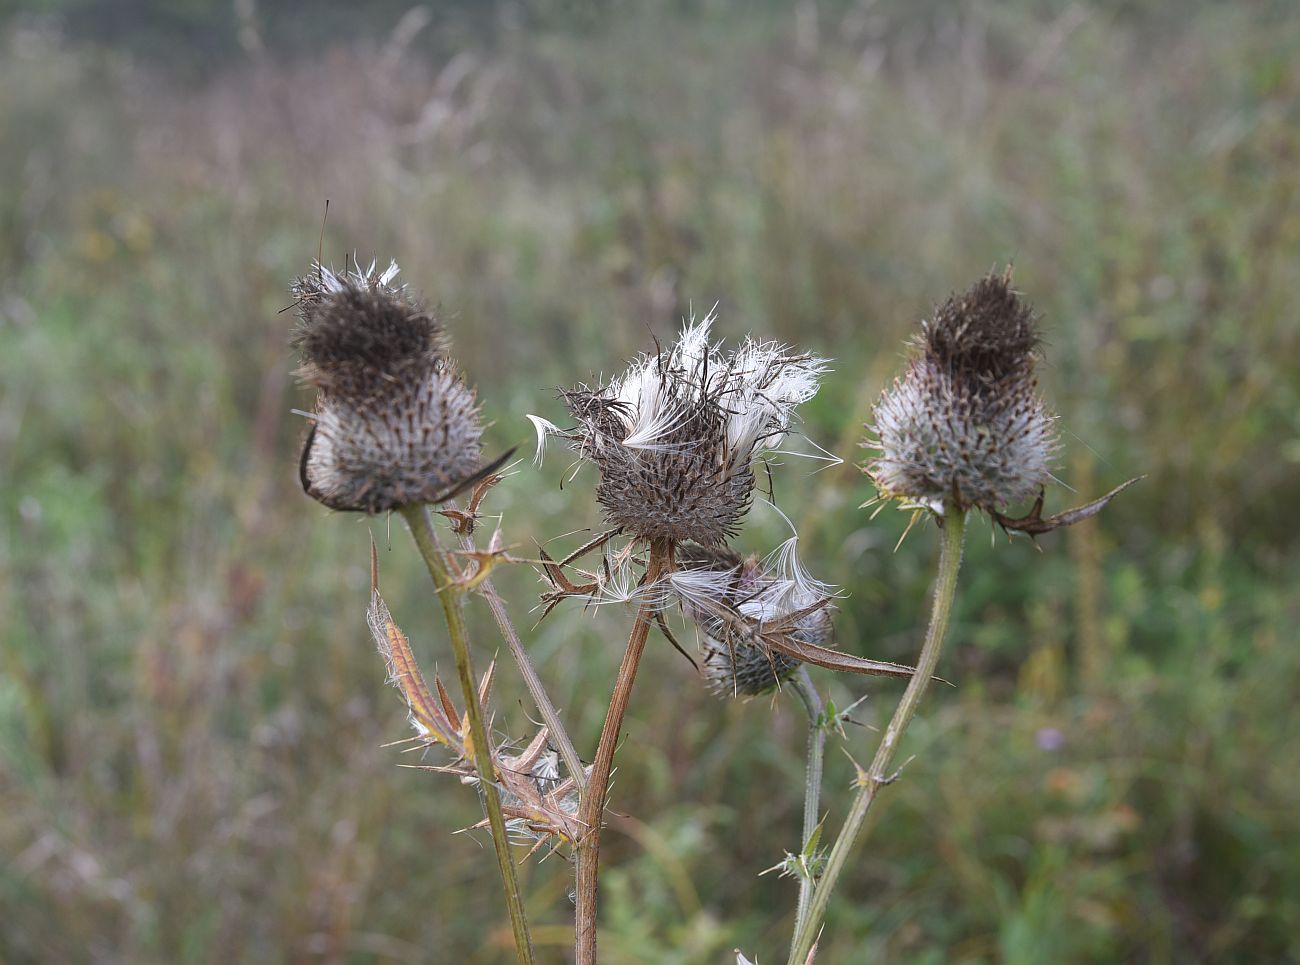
[
  {"x": 732, "y": 598},
  {"x": 965, "y": 425},
  {"x": 676, "y": 436},
  {"x": 394, "y": 423}
]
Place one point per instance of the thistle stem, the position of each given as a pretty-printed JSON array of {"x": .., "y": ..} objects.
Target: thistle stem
[
  {"x": 453, "y": 609},
  {"x": 945, "y": 585},
  {"x": 803, "y": 687},
  {"x": 532, "y": 680},
  {"x": 592, "y": 808}
]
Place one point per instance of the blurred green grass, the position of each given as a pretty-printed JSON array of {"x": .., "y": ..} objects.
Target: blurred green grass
[{"x": 191, "y": 716}]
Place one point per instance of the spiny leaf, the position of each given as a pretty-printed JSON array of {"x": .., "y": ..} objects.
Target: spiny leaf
[{"x": 1034, "y": 524}]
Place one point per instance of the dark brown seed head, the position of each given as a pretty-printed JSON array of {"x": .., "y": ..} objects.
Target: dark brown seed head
[
  {"x": 395, "y": 425},
  {"x": 687, "y": 486},
  {"x": 357, "y": 330},
  {"x": 988, "y": 332}
]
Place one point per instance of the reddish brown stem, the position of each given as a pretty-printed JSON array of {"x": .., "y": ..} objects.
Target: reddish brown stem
[{"x": 592, "y": 811}]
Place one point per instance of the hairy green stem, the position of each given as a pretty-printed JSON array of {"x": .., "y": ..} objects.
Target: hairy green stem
[
  {"x": 803, "y": 687},
  {"x": 532, "y": 680},
  {"x": 945, "y": 586},
  {"x": 591, "y": 811},
  {"x": 417, "y": 519}
]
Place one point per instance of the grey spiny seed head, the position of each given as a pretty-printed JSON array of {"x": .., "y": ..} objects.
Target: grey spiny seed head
[
  {"x": 731, "y": 598},
  {"x": 743, "y": 670},
  {"x": 966, "y": 424},
  {"x": 394, "y": 424},
  {"x": 676, "y": 436}
]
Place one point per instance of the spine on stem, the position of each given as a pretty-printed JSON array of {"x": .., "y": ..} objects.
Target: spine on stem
[
  {"x": 452, "y": 607},
  {"x": 954, "y": 530}
]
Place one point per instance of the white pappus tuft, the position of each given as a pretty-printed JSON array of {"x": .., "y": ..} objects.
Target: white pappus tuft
[{"x": 675, "y": 437}]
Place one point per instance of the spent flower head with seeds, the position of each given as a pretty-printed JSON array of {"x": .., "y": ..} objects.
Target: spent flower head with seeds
[
  {"x": 394, "y": 423},
  {"x": 675, "y": 437},
  {"x": 966, "y": 425},
  {"x": 738, "y": 602}
]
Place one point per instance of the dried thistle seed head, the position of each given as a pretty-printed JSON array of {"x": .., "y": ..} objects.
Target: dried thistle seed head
[
  {"x": 394, "y": 424},
  {"x": 966, "y": 425},
  {"x": 675, "y": 437},
  {"x": 739, "y": 602},
  {"x": 708, "y": 579},
  {"x": 788, "y": 589}
]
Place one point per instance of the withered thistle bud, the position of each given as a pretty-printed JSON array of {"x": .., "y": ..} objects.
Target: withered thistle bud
[
  {"x": 394, "y": 424},
  {"x": 675, "y": 438},
  {"x": 732, "y": 599},
  {"x": 965, "y": 425}
]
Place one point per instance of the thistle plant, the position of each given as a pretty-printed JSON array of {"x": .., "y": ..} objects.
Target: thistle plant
[
  {"x": 965, "y": 428},
  {"x": 716, "y": 579},
  {"x": 722, "y": 591},
  {"x": 676, "y": 437},
  {"x": 396, "y": 428},
  {"x": 676, "y": 441},
  {"x": 759, "y": 619}
]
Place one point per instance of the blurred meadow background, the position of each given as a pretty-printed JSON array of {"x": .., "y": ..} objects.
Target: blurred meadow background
[{"x": 192, "y": 717}]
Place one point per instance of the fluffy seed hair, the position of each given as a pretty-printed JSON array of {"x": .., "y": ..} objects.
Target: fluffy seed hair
[
  {"x": 966, "y": 425},
  {"x": 675, "y": 437},
  {"x": 394, "y": 424}
]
